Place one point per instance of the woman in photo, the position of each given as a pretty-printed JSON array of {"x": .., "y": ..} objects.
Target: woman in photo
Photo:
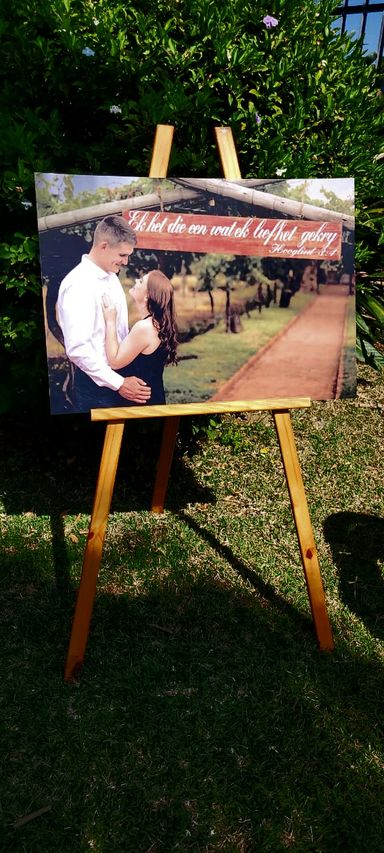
[{"x": 151, "y": 344}]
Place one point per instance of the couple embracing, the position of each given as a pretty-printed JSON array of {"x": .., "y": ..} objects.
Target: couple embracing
[{"x": 115, "y": 366}]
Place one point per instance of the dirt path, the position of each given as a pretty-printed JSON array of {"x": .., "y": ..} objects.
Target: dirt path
[{"x": 303, "y": 360}]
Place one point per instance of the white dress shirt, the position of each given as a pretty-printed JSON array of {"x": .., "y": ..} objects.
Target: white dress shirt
[{"x": 80, "y": 315}]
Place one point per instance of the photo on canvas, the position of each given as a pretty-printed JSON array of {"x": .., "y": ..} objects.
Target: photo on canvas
[{"x": 189, "y": 290}]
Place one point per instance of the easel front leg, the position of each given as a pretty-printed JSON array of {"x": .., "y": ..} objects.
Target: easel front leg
[
  {"x": 304, "y": 530},
  {"x": 170, "y": 429},
  {"x": 94, "y": 549}
]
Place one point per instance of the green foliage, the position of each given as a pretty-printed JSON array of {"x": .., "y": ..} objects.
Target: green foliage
[
  {"x": 370, "y": 285},
  {"x": 227, "y": 431},
  {"x": 84, "y": 84},
  {"x": 209, "y": 267}
]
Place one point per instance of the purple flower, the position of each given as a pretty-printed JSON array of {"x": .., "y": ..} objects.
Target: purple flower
[
  {"x": 87, "y": 51},
  {"x": 258, "y": 118},
  {"x": 269, "y": 21}
]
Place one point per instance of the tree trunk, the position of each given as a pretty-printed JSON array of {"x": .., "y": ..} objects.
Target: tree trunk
[{"x": 228, "y": 308}]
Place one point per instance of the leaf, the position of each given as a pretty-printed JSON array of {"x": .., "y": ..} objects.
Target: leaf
[
  {"x": 369, "y": 354},
  {"x": 362, "y": 325},
  {"x": 168, "y": 24},
  {"x": 376, "y": 308}
]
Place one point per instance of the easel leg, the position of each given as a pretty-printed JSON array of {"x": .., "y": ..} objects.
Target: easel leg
[
  {"x": 304, "y": 530},
  {"x": 94, "y": 548},
  {"x": 170, "y": 430},
  {"x": 158, "y": 169}
]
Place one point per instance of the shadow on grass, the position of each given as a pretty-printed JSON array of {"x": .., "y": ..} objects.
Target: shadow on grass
[
  {"x": 53, "y": 467},
  {"x": 204, "y": 721},
  {"x": 357, "y": 544},
  {"x": 262, "y": 587},
  {"x": 50, "y": 468}
]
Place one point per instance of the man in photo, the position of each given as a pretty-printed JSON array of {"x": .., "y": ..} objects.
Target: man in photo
[{"x": 80, "y": 316}]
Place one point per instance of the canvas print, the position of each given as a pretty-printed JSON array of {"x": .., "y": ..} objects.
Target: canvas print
[{"x": 183, "y": 290}]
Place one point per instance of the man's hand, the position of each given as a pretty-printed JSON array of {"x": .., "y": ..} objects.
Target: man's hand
[{"x": 135, "y": 390}]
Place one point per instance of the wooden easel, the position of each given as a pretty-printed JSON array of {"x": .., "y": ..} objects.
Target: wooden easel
[{"x": 113, "y": 437}]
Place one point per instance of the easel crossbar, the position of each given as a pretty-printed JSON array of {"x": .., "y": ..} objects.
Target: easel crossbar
[{"x": 170, "y": 409}]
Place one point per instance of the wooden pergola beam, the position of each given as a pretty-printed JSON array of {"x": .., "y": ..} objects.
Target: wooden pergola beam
[
  {"x": 248, "y": 195},
  {"x": 97, "y": 211}
]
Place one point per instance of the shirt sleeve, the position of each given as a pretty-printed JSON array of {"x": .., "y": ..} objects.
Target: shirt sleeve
[{"x": 83, "y": 331}]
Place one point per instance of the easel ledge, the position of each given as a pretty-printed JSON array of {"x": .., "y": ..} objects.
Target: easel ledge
[
  {"x": 177, "y": 409},
  {"x": 171, "y": 414}
]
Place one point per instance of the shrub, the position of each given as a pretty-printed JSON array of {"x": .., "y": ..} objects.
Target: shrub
[{"x": 84, "y": 85}]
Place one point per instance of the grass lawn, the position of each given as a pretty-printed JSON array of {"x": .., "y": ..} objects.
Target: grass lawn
[
  {"x": 205, "y": 719},
  {"x": 210, "y": 359}
]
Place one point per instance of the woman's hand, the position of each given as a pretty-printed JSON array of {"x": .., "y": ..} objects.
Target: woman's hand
[{"x": 109, "y": 310}]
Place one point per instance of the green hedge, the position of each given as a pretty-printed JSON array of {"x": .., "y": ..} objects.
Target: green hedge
[{"x": 85, "y": 83}]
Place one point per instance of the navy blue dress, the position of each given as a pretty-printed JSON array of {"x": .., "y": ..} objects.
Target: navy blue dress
[{"x": 149, "y": 368}]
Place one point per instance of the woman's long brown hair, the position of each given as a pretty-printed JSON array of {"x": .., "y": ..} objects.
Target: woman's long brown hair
[{"x": 161, "y": 307}]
